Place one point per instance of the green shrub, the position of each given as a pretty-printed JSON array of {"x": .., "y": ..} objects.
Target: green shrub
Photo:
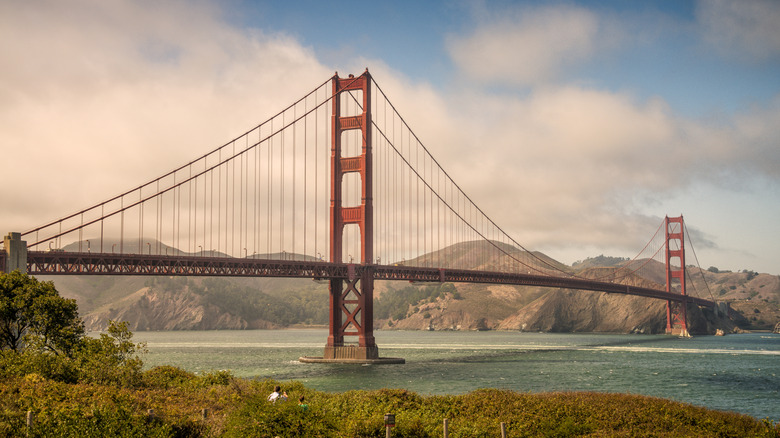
[
  {"x": 166, "y": 376},
  {"x": 221, "y": 377},
  {"x": 240, "y": 409},
  {"x": 46, "y": 365},
  {"x": 259, "y": 417},
  {"x": 117, "y": 421}
]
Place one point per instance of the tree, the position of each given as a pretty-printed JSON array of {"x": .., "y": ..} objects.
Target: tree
[
  {"x": 33, "y": 316},
  {"x": 111, "y": 357}
]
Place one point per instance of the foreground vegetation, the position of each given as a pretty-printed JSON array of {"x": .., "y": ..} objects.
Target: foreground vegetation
[
  {"x": 66, "y": 384},
  {"x": 239, "y": 408}
]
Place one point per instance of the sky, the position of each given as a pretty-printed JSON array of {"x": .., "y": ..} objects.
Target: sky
[{"x": 575, "y": 125}]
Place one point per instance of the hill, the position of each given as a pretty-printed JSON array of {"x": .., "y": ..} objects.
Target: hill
[{"x": 161, "y": 303}]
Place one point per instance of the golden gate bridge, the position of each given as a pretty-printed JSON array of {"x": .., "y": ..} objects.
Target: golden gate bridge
[{"x": 335, "y": 187}]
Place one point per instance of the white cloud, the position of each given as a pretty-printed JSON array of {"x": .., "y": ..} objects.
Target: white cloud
[
  {"x": 528, "y": 46},
  {"x": 577, "y": 167},
  {"x": 97, "y": 98}
]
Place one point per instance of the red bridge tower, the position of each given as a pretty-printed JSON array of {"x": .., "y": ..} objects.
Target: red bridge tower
[
  {"x": 352, "y": 299},
  {"x": 676, "y": 311}
]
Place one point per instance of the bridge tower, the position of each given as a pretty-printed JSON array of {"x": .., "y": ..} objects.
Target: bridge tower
[
  {"x": 351, "y": 311},
  {"x": 676, "y": 311},
  {"x": 351, "y": 299}
]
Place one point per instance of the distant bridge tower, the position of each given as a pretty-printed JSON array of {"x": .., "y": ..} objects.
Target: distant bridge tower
[{"x": 676, "y": 311}]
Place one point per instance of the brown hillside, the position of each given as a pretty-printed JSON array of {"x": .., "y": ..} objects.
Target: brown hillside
[
  {"x": 754, "y": 298},
  {"x": 150, "y": 309}
]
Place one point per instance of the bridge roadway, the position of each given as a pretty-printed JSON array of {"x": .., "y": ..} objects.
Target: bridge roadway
[{"x": 73, "y": 263}]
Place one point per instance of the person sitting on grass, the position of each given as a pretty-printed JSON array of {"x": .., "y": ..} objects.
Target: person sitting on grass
[
  {"x": 302, "y": 403},
  {"x": 277, "y": 395}
]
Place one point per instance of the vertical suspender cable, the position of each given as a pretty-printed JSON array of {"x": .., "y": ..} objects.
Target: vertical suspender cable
[
  {"x": 219, "y": 203},
  {"x": 281, "y": 189},
  {"x": 140, "y": 222},
  {"x": 408, "y": 182},
  {"x": 396, "y": 208},
  {"x": 211, "y": 214},
  {"x": 305, "y": 172},
  {"x": 294, "y": 165},
  {"x": 240, "y": 203},
  {"x": 121, "y": 227},
  {"x": 416, "y": 198},
  {"x": 245, "y": 203},
  {"x": 229, "y": 215},
  {"x": 259, "y": 192},
  {"x": 194, "y": 213},
  {"x": 269, "y": 192},
  {"x": 173, "y": 216},
  {"x": 316, "y": 177}
]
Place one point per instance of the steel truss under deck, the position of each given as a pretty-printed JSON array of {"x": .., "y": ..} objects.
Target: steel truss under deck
[{"x": 69, "y": 263}]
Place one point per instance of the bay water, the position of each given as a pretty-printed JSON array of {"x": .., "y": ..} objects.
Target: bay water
[{"x": 739, "y": 372}]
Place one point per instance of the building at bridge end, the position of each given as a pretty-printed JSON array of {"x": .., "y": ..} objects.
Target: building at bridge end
[{"x": 15, "y": 254}]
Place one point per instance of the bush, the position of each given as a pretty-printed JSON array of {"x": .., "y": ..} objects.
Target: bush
[
  {"x": 166, "y": 376},
  {"x": 258, "y": 417},
  {"x": 111, "y": 358},
  {"x": 116, "y": 421},
  {"x": 241, "y": 409},
  {"x": 47, "y": 366},
  {"x": 221, "y": 377}
]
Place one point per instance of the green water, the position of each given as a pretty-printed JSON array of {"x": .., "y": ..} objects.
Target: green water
[{"x": 736, "y": 373}]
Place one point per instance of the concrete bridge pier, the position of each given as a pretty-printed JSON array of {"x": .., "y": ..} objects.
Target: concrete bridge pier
[
  {"x": 15, "y": 257},
  {"x": 723, "y": 309}
]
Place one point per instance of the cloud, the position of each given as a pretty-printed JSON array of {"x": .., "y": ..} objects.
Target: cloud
[
  {"x": 570, "y": 156},
  {"x": 744, "y": 30},
  {"x": 529, "y": 46},
  {"x": 579, "y": 166},
  {"x": 98, "y": 98},
  {"x": 570, "y": 166},
  {"x": 96, "y": 89},
  {"x": 758, "y": 130}
]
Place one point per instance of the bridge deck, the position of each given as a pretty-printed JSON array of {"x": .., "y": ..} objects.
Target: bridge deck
[{"x": 72, "y": 263}]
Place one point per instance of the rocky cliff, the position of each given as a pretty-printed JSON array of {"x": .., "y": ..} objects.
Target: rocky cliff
[
  {"x": 558, "y": 310},
  {"x": 150, "y": 309}
]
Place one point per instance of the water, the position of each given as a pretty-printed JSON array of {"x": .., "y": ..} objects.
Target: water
[{"x": 738, "y": 373}]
